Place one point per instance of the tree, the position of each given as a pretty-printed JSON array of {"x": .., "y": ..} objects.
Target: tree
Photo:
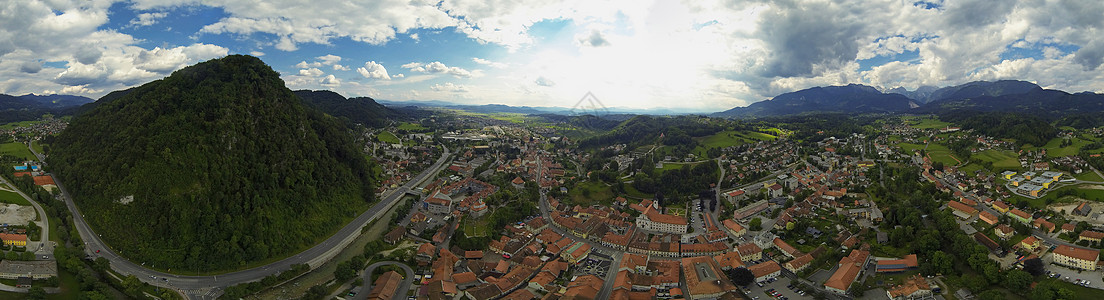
[
  {"x": 1017, "y": 280},
  {"x": 943, "y": 263},
  {"x": 741, "y": 276},
  {"x": 36, "y": 293},
  {"x": 991, "y": 295},
  {"x": 756, "y": 224},
  {"x": 1034, "y": 266}
]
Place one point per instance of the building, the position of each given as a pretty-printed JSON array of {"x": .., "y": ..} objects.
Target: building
[
  {"x": 736, "y": 195},
  {"x": 799, "y": 264},
  {"x": 11, "y": 239},
  {"x": 39, "y": 269},
  {"x": 962, "y": 210},
  {"x": 915, "y": 287},
  {"x": 750, "y": 251},
  {"x": 766, "y": 270},
  {"x": 654, "y": 221},
  {"x": 1004, "y": 232},
  {"x": 988, "y": 218},
  {"x": 750, "y": 210},
  {"x": 704, "y": 280},
  {"x": 1030, "y": 243},
  {"x": 1043, "y": 224},
  {"x": 1001, "y": 207},
  {"x": 897, "y": 265},
  {"x": 786, "y": 248},
  {"x": 1076, "y": 257},
  {"x": 734, "y": 228},
  {"x": 850, "y": 268},
  {"x": 1091, "y": 236},
  {"x": 1008, "y": 174},
  {"x": 1083, "y": 210},
  {"x": 438, "y": 203},
  {"x": 1020, "y": 215}
]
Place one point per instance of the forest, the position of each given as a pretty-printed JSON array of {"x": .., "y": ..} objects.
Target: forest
[
  {"x": 1025, "y": 129},
  {"x": 212, "y": 168}
]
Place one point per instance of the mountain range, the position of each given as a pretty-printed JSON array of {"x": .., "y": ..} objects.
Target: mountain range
[
  {"x": 981, "y": 96},
  {"x": 31, "y": 107}
]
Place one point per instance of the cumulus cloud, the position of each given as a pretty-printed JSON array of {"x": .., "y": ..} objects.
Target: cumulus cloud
[
  {"x": 312, "y": 72},
  {"x": 147, "y": 19},
  {"x": 449, "y": 87},
  {"x": 330, "y": 81},
  {"x": 489, "y": 63},
  {"x": 437, "y": 68},
  {"x": 374, "y": 70},
  {"x": 30, "y": 67}
]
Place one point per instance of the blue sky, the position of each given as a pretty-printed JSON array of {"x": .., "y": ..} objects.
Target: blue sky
[{"x": 697, "y": 56}]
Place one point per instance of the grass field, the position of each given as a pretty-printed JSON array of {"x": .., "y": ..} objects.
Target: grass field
[
  {"x": 999, "y": 158},
  {"x": 475, "y": 227},
  {"x": 590, "y": 192},
  {"x": 16, "y": 149},
  {"x": 926, "y": 122},
  {"x": 12, "y": 198},
  {"x": 18, "y": 124},
  {"x": 37, "y": 146},
  {"x": 1082, "y": 192},
  {"x": 1053, "y": 149},
  {"x": 411, "y": 126},
  {"x": 1088, "y": 175},
  {"x": 730, "y": 138},
  {"x": 969, "y": 169},
  {"x": 387, "y": 137},
  {"x": 910, "y": 148}
]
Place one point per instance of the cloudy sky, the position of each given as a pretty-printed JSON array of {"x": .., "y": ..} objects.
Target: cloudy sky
[{"x": 696, "y": 55}]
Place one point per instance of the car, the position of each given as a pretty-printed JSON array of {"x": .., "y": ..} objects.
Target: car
[{"x": 97, "y": 250}]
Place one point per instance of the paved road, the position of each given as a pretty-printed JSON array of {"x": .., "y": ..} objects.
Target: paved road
[
  {"x": 367, "y": 275},
  {"x": 45, "y": 247},
  {"x": 209, "y": 287}
]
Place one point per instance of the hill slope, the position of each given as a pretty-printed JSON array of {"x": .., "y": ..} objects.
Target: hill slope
[
  {"x": 852, "y": 98},
  {"x": 362, "y": 110},
  {"x": 211, "y": 168},
  {"x": 31, "y": 107}
]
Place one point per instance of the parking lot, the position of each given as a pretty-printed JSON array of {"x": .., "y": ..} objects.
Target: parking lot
[
  {"x": 1093, "y": 277},
  {"x": 779, "y": 285}
]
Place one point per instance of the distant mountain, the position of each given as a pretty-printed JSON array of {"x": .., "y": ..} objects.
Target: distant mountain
[
  {"x": 982, "y": 88},
  {"x": 31, "y": 106},
  {"x": 1039, "y": 102},
  {"x": 852, "y": 98},
  {"x": 920, "y": 95},
  {"x": 215, "y": 167},
  {"x": 361, "y": 110}
]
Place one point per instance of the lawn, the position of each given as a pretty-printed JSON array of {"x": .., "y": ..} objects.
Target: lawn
[
  {"x": 411, "y": 127},
  {"x": 590, "y": 192},
  {"x": 1053, "y": 149},
  {"x": 475, "y": 227},
  {"x": 1086, "y": 193},
  {"x": 387, "y": 137},
  {"x": 926, "y": 123},
  {"x": 969, "y": 169},
  {"x": 633, "y": 192},
  {"x": 910, "y": 148},
  {"x": 1079, "y": 292},
  {"x": 17, "y": 149},
  {"x": 999, "y": 158},
  {"x": 13, "y": 198},
  {"x": 729, "y": 138},
  {"x": 37, "y": 146},
  {"x": 13, "y": 125},
  {"x": 1088, "y": 175}
]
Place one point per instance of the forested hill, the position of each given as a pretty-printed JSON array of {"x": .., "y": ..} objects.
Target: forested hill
[
  {"x": 361, "y": 110},
  {"x": 31, "y": 107},
  {"x": 211, "y": 168}
]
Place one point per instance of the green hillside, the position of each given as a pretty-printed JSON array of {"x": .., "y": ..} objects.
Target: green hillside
[{"x": 225, "y": 165}]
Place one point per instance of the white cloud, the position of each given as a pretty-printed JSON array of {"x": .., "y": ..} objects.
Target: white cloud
[
  {"x": 449, "y": 87},
  {"x": 330, "y": 81},
  {"x": 256, "y": 53},
  {"x": 337, "y": 67},
  {"x": 373, "y": 70},
  {"x": 542, "y": 81},
  {"x": 593, "y": 38},
  {"x": 329, "y": 59},
  {"x": 437, "y": 68},
  {"x": 312, "y": 72},
  {"x": 400, "y": 75},
  {"x": 496, "y": 65},
  {"x": 147, "y": 19}
]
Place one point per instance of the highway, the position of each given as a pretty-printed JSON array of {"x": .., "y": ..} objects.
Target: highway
[{"x": 209, "y": 287}]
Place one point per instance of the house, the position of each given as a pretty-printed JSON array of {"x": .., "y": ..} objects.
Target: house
[
  {"x": 897, "y": 265},
  {"x": 1030, "y": 243},
  {"x": 737, "y": 195},
  {"x": 12, "y": 239},
  {"x": 1001, "y": 206},
  {"x": 988, "y": 218},
  {"x": 1019, "y": 215},
  {"x": 786, "y": 248},
  {"x": 394, "y": 235},
  {"x": 915, "y": 287},
  {"x": 1075, "y": 257},
  {"x": 1043, "y": 224},
  {"x": 1004, "y": 232},
  {"x": 750, "y": 251},
  {"x": 775, "y": 190},
  {"x": 984, "y": 240},
  {"x": 800, "y": 263},
  {"x": 439, "y": 203},
  {"x": 766, "y": 270},
  {"x": 1091, "y": 236},
  {"x": 850, "y": 268},
  {"x": 1008, "y": 174}
]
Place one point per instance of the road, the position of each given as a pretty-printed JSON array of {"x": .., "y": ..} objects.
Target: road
[
  {"x": 209, "y": 287},
  {"x": 45, "y": 247},
  {"x": 408, "y": 279}
]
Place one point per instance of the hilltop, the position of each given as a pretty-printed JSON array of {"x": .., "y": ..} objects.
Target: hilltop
[{"x": 214, "y": 167}]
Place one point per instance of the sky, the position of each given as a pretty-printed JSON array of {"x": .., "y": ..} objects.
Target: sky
[{"x": 687, "y": 55}]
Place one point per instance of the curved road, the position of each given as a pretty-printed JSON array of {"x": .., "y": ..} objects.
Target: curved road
[
  {"x": 209, "y": 287},
  {"x": 45, "y": 247},
  {"x": 400, "y": 292}
]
